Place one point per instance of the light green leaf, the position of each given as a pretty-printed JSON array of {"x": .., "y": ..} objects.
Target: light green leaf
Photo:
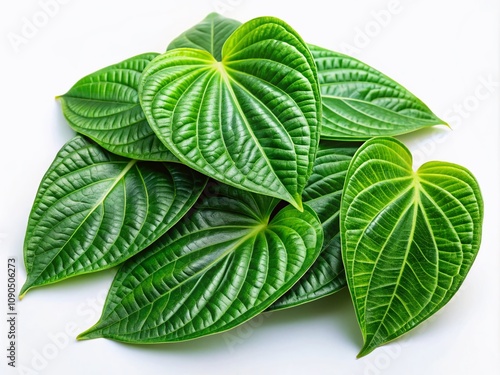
[
  {"x": 94, "y": 210},
  {"x": 250, "y": 120},
  {"x": 214, "y": 270},
  {"x": 359, "y": 102},
  {"x": 408, "y": 238},
  {"x": 209, "y": 35},
  {"x": 105, "y": 107},
  {"x": 322, "y": 193}
]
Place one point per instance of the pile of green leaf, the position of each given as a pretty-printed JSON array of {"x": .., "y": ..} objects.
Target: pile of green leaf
[{"x": 228, "y": 177}]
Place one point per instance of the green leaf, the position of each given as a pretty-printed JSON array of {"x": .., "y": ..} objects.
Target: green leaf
[
  {"x": 250, "y": 120},
  {"x": 94, "y": 210},
  {"x": 359, "y": 102},
  {"x": 214, "y": 270},
  {"x": 322, "y": 194},
  {"x": 105, "y": 107},
  {"x": 209, "y": 35},
  {"x": 408, "y": 238}
]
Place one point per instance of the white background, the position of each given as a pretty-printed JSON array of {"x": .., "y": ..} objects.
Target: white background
[{"x": 446, "y": 52}]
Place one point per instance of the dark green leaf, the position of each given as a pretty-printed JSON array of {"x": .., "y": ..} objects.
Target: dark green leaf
[
  {"x": 209, "y": 35},
  {"x": 94, "y": 210},
  {"x": 359, "y": 102},
  {"x": 250, "y": 120},
  {"x": 408, "y": 238},
  {"x": 322, "y": 193},
  {"x": 214, "y": 270},
  {"x": 105, "y": 107}
]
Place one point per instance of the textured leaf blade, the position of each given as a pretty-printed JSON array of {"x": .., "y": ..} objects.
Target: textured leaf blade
[
  {"x": 408, "y": 238},
  {"x": 359, "y": 102},
  {"x": 209, "y": 35},
  {"x": 251, "y": 120},
  {"x": 94, "y": 210},
  {"x": 323, "y": 193},
  {"x": 214, "y": 270},
  {"x": 105, "y": 107}
]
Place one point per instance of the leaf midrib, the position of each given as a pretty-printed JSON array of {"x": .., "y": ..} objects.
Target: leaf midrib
[
  {"x": 415, "y": 203},
  {"x": 92, "y": 210},
  {"x": 230, "y": 250},
  {"x": 368, "y": 103},
  {"x": 360, "y": 237},
  {"x": 422, "y": 190},
  {"x": 227, "y": 81},
  {"x": 264, "y": 227}
]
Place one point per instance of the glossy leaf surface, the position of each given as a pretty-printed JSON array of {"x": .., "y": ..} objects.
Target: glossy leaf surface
[
  {"x": 209, "y": 35},
  {"x": 359, "y": 102},
  {"x": 93, "y": 210},
  {"x": 250, "y": 120},
  {"x": 408, "y": 238},
  {"x": 105, "y": 107},
  {"x": 322, "y": 193},
  {"x": 214, "y": 270}
]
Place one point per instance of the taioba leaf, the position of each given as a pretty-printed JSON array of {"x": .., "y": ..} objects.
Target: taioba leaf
[
  {"x": 105, "y": 107},
  {"x": 94, "y": 210},
  {"x": 209, "y": 35},
  {"x": 250, "y": 120},
  {"x": 408, "y": 238},
  {"x": 322, "y": 193},
  {"x": 359, "y": 102},
  {"x": 214, "y": 270}
]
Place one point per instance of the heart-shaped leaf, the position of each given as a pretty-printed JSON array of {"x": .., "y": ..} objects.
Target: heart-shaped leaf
[
  {"x": 408, "y": 238},
  {"x": 250, "y": 120},
  {"x": 94, "y": 210},
  {"x": 322, "y": 193},
  {"x": 105, "y": 107},
  {"x": 214, "y": 270},
  {"x": 359, "y": 102},
  {"x": 209, "y": 35}
]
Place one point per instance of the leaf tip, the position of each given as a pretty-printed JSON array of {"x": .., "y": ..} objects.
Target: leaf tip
[
  {"x": 82, "y": 337},
  {"x": 297, "y": 203},
  {"x": 89, "y": 334},
  {"x": 61, "y": 98},
  {"x": 365, "y": 350},
  {"x": 24, "y": 289},
  {"x": 442, "y": 122}
]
